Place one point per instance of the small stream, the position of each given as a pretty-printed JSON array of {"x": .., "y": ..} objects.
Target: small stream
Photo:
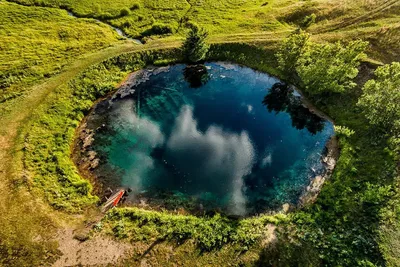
[{"x": 118, "y": 30}]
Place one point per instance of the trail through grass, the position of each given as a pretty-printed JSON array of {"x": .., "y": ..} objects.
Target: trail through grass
[{"x": 24, "y": 217}]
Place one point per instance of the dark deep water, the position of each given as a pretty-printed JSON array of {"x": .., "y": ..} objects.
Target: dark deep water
[{"x": 214, "y": 136}]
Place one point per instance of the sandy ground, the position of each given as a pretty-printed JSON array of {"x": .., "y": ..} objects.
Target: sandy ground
[{"x": 97, "y": 251}]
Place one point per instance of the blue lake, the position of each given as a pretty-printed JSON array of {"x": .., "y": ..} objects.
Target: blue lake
[{"x": 214, "y": 137}]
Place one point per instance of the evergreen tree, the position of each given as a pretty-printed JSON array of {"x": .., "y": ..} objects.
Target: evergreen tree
[{"x": 195, "y": 47}]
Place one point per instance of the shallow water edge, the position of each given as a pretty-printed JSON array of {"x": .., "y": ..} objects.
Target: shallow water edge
[{"x": 87, "y": 160}]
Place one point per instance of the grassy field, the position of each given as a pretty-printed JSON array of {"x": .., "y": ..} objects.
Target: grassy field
[
  {"x": 52, "y": 40},
  {"x": 52, "y": 71}
]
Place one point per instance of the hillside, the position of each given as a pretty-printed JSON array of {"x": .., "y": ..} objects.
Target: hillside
[{"x": 58, "y": 58}]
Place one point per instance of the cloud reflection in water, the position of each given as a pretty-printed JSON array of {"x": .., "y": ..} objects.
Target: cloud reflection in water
[{"x": 214, "y": 153}]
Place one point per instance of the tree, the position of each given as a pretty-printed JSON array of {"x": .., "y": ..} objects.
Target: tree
[
  {"x": 290, "y": 51},
  {"x": 195, "y": 47},
  {"x": 330, "y": 67},
  {"x": 380, "y": 100}
]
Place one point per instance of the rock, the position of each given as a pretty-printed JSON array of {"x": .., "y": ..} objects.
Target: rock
[
  {"x": 82, "y": 237},
  {"x": 285, "y": 207}
]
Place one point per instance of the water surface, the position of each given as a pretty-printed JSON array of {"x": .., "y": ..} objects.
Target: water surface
[{"x": 218, "y": 136}]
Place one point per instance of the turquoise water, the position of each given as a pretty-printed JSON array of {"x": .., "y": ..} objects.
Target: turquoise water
[{"x": 217, "y": 136}]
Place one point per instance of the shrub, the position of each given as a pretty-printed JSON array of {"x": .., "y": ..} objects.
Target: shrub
[
  {"x": 124, "y": 12},
  {"x": 380, "y": 100},
  {"x": 158, "y": 29},
  {"x": 330, "y": 68},
  {"x": 135, "y": 6},
  {"x": 290, "y": 51},
  {"x": 308, "y": 20},
  {"x": 343, "y": 131}
]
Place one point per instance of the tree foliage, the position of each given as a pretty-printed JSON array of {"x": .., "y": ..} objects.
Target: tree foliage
[
  {"x": 290, "y": 51},
  {"x": 381, "y": 98},
  {"x": 195, "y": 47},
  {"x": 330, "y": 67},
  {"x": 320, "y": 67}
]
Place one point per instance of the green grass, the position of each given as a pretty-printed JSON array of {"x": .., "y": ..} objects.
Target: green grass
[
  {"x": 355, "y": 220},
  {"x": 345, "y": 21},
  {"x": 208, "y": 233},
  {"x": 216, "y": 16},
  {"x": 343, "y": 226},
  {"x": 52, "y": 40},
  {"x": 51, "y": 131}
]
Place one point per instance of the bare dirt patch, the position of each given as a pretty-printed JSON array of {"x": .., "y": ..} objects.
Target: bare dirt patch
[{"x": 97, "y": 251}]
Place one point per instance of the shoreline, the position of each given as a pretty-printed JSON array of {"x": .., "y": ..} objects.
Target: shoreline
[{"x": 87, "y": 160}]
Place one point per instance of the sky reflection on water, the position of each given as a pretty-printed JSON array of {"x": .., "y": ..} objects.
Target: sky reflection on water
[{"x": 222, "y": 135}]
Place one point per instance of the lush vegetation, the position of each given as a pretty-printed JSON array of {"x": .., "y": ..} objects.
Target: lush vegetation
[
  {"x": 354, "y": 222},
  {"x": 29, "y": 54},
  {"x": 208, "y": 232},
  {"x": 342, "y": 227},
  {"x": 52, "y": 128},
  {"x": 195, "y": 47},
  {"x": 381, "y": 98},
  {"x": 321, "y": 68}
]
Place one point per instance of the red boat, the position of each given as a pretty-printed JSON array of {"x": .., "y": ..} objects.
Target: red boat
[{"x": 114, "y": 200}]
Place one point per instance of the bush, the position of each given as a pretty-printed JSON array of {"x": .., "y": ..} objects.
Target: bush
[
  {"x": 380, "y": 100},
  {"x": 291, "y": 49},
  {"x": 135, "y": 6},
  {"x": 343, "y": 131},
  {"x": 158, "y": 29},
  {"x": 124, "y": 12},
  {"x": 308, "y": 20},
  {"x": 330, "y": 68}
]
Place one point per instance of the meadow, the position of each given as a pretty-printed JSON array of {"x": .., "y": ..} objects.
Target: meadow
[
  {"x": 51, "y": 41},
  {"x": 53, "y": 67}
]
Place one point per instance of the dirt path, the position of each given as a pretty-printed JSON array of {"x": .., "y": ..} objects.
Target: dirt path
[
  {"x": 12, "y": 122},
  {"x": 386, "y": 5},
  {"x": 97, "y": 251},
  {"x": 26, "y": 218}
]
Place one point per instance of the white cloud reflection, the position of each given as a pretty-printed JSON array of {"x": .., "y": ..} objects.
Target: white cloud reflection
[
  {"x": 137, "y": 137},
  {"x": 210, "y": 155}
]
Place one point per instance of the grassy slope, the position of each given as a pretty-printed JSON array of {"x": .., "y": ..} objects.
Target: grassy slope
[
  {"x": 17, "y": 203},
  {"x": 216, "y": 16},
  {"x": 52, "y": 40},
  {"x": 17, "y": 247},
  {"x": 18, "y": 114},
  {"x": 376, "y": 21}
]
